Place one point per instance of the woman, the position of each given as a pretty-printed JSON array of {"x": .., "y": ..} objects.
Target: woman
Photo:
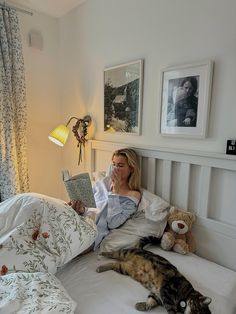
[{"x": 117, "y": 196}]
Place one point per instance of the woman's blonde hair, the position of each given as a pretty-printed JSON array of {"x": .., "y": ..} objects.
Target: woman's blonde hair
[{"x": 133, "y": 162}]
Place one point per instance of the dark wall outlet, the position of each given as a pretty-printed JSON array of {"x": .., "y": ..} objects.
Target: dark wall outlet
[{"x": 231, "y": 147}]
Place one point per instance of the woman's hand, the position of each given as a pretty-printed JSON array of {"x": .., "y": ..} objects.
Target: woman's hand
[
  {"x": 77, "y": 206},
  {"x": 116, "y": 180}
]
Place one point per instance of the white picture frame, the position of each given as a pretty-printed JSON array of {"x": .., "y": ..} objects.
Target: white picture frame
[
  {"x": 123, "y": 88},
  {"x": 185, "y": 100}
]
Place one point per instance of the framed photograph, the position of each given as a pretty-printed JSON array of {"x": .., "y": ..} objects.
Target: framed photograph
[
  {"x": 123, "y": 98},
  {"x": 185, "y": 100}
]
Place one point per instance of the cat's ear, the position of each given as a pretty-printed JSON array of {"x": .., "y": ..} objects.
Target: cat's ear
[{"x": 206, "y": 300}]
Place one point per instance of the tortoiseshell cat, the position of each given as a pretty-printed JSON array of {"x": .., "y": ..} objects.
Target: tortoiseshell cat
[{"x": 167, "y": 285}]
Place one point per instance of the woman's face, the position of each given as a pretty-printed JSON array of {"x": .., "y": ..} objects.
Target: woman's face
[
  {"x": 121, "y": 164},
  {"x": 188, "y": 88}
]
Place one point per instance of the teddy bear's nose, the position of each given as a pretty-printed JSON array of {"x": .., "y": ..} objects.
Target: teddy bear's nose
[{"x": 180, "y": 225}]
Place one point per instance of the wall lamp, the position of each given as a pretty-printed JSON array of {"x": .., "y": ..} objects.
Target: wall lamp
[{"x": 60, "y": 134}]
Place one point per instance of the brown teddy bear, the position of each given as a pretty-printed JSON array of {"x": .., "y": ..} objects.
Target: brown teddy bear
[{"x": 177, "y": 235}]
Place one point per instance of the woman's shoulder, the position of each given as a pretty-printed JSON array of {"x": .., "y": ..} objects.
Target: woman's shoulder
[{"x": 135, "y": 194}]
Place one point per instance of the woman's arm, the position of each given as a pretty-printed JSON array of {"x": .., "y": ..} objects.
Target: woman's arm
[{"x": 119, "y": 210}]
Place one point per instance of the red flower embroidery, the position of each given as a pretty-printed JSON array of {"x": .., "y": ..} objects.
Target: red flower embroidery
[
  {"x": 4, "y": 270},
  {"x": 35, "y": 234},
  {"x": 45, "y": 235}
]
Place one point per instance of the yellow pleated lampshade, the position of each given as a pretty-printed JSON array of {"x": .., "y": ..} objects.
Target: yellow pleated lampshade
[{"x": 59, "y": 135}]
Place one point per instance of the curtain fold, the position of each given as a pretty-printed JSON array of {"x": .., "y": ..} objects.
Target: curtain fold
[{"x": 13, "y": 110}]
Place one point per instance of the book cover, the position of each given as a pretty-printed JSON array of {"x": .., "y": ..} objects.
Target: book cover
[{"x": 79, "y": 187}]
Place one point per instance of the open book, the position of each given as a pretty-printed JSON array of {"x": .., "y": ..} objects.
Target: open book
[{"x": 79, "y": 187}]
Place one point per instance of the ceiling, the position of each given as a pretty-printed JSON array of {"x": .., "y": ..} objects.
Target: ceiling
[{"x": 55, "y": 8}]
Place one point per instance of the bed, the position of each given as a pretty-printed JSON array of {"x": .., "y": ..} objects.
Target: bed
[
  {"x": 111, "y": 292},
  {"x": 203, "y": 183}
]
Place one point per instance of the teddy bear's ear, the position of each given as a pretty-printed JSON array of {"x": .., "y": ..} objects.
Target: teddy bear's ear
[
  {"x": 172, "y": 210},
  {"x": 193, "y": 217}
]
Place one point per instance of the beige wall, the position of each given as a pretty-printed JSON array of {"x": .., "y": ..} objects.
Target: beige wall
[
  {"x": 44, "y": 104},
  {"x": 102, "y": 33},
  {"x": 164, "y": 33}
]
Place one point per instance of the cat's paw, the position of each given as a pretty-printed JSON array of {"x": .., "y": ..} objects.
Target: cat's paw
[
  {"x": 106, "y": 254},
  {"x": 102, "y": 254},
  {"x": 100, "y": 269},
  {"x": 151, "y": 302},
  {"x": 141, "y": 306}
]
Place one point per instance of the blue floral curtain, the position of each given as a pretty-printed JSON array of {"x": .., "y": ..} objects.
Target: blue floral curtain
[{"x": 13, "y": 112}]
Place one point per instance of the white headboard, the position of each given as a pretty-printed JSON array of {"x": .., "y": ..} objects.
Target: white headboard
[{"x": 201, "y": 182}]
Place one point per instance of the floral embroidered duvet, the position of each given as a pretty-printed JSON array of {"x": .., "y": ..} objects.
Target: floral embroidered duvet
[
  {"x": 26, "y": 293},
  {"x": 38, "y": 234}
]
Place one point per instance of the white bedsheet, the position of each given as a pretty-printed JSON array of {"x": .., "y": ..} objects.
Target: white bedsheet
[{"x": 110, "y": 292}]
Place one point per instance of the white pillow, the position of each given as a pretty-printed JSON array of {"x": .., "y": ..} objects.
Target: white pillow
[
  {"x": 98, "y": 175},
  {"x": 153, "y": 205},
  {"x": 139, "y": 225}
]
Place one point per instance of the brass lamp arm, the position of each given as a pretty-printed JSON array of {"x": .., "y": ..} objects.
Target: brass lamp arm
[
  {"x": 87, "y": 119},
  {"x": 70, "y": 120}
]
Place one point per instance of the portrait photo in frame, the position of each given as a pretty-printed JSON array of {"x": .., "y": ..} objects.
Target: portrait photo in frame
[
  {"x": 185, "y": 99},
  {"x": 123, "y": 98}
]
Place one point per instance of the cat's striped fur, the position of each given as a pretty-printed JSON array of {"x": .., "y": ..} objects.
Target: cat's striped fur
[{"x": 167, "y": 286}]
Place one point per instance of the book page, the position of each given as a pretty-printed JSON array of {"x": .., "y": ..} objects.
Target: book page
[{"x": 79, "y": 187}]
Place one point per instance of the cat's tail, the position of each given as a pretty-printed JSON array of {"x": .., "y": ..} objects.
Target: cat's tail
[{"x": 148, "y": 240}]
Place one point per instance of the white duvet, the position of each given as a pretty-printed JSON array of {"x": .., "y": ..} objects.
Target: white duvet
[
  {"x": 38, "y": 234},
  {"x": 25, "y": 293}
]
